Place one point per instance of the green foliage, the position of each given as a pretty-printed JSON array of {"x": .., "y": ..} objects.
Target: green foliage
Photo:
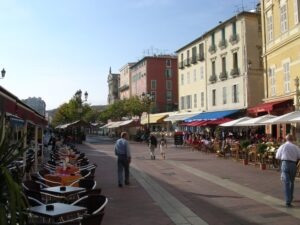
[
  {"x": 261, "y": 148},
  {"x": 244, "y": 143},
  {"x": 11, "y": 201}
]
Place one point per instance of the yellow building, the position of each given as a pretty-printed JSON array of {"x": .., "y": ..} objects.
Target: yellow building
[{"x": 281, "y": 56}]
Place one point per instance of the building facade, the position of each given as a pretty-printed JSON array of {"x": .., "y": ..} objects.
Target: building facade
[
  {"x": 37, "y": 104},
  {"x": 222, "y": 70},
  {"x": 125, "y": 80},
  {"x": 281, "y": 38},
  {"x": 157, "y": 76},
  {"x": 113, "y": 81}
]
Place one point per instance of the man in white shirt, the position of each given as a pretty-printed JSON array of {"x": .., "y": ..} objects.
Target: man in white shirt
[{"x": 289, "y": 154}]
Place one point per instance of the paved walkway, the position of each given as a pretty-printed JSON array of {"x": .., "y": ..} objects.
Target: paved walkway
[{"x": 189, "y": 187}]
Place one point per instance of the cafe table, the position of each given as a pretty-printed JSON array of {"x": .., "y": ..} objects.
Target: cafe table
[
  {"x": 63, "y": 193},
  {"x": 57, "y": 212}
]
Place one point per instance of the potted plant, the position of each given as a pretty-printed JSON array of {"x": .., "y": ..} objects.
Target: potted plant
[
  {"x": 12, "y": 205},
  {"x": 244, "y": 145},
  {"x": 261, "y": 150}
]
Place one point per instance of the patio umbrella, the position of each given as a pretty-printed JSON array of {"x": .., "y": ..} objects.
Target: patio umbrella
[
  {"x": 234, "y": 122},
  {"x": 258, "y": 121},
  {"x": 286, "y": 118}
]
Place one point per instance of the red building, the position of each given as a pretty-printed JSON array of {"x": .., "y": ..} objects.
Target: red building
[{"x": 156, "y": 75}]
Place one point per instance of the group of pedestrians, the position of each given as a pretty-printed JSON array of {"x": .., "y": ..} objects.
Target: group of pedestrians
[{"x": 288, "y": 153}]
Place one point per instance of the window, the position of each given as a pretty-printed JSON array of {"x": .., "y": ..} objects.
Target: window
[
  {"x": 270, "y": 27},
  {"x": 286, "y": 75},
  {"x": 153, "y": 84},
  {"x": 169, "y": 96},
  {"x": 188, "y": 78},
  {"x": 188, "y": 56},
  {"x": 224, "y": 64},
  {"x": 201, "y": 73},
  {"x": 169, "y": 84},
  {"x": 188, "y": 101},
  {"x": 213, "y": 97},
  {"x": 195, "y": 101},
  {"x": 283, "y": 18},
  {"x": 297, "y": 11},
  {"x": 153, "y": 95},
  {"x": 194, "y": 54},
  {"x": 235, "y": 60},
  {"x": 223, "y": 34},
  {"x": 182, "y": 102},
  {"x": 272, "y": 81},
  {"x": 202, "y": 99},
  {"x": 195, "y": 75},
  {"x": 182, "y": 79},
  {"x": 168, "y": 63},
  {"x": 235, "y": 93},
  {"x": 224, "y": 95},
  {"x": 234, "y": 28},
  {"x": 213, "y": 67},
  {"x": 201, "y": 50},
  {"x": 213, "y": 39},
  {"x": 168, "y": 73}
]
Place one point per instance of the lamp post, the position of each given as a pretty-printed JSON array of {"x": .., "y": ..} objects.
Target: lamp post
[
  {"x": 3, "y": 72},
  {"x": 297, "y": 95},
  {"x": 148, "y": 100}
]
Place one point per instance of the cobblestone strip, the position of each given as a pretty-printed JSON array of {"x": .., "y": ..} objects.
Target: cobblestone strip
[
  {"x": 178, "y": 212},
  {"x": 241, "y": 190}
]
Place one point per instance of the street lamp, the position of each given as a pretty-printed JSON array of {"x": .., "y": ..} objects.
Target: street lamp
[
  {"x": 3, "y": 72},
  {"x": 297, "y": 94},
  {"x": 148, "y": 100}
]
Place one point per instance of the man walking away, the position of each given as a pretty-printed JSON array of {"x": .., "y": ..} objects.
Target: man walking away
[
  {"x": 289, "y": 154},
  {"x": 152, "y": 146},
  {"x": 122, "y": 150}
]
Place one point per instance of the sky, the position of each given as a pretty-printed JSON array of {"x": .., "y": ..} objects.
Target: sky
[{"x": 52, "y": 48}]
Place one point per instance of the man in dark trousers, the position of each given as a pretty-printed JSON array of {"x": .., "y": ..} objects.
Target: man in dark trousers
[
  {"x": 152, "y": 146},
  {"x": 122, "y": 150},
  {"x": 289, "y": 154}
]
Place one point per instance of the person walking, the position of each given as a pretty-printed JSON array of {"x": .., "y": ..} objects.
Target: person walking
[
  {"x": 122, "y": 151},
  {"x": 289, "y": 154},
  {"x": 163, "y": 146},
  {"x": 152, "y": 146}
]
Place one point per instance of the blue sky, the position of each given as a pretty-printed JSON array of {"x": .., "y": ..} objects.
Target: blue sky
[{"x": 51, "y": 48}]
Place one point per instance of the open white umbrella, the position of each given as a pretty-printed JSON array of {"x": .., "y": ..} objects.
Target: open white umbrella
[
  {"x": 235, "y": 122},
  {"x": 286, "y": 118},
  {"x": 258, "y": 121}
]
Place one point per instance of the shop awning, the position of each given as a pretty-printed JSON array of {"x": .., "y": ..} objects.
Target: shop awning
[
  {"x": 234, "y": 123},
  {"x": 286, "y": 118},
  {"x": 154, "y": 118},
  {"x": 212, "y": 115},
  {"x": 258, "y": 121},
  {"x": 268, "y": 106},
  {"x": 180, "y": 116}
]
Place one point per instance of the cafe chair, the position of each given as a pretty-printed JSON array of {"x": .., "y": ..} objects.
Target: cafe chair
[
  {"x": 32, "y": 189},
  {"x": 94, "y": 219},
  {"x": 88, "y": 184},
  {"x": 96, "y": 191},
  {"x": 94, "y": 203},
  {"x": 34, "y": 202}
]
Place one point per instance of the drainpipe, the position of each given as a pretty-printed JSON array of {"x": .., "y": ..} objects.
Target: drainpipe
[{"x": 265, "y": 71}]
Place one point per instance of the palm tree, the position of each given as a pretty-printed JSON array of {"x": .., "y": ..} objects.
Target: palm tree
[{"x": 12, "y": 204}]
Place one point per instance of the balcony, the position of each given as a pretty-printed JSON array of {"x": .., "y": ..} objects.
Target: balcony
[
  {"x": 124, "y": 87},
  {"x": 194, "y": 59},
  {"x": 222, "y": 44},
  {"x": 212, "y": 49},
  {"x": 187, "y": 62},
  {"x": 213, "y": 78},
  {"x": 223, "y": 76},
  {"x": 201, "y": 57},
  {"x": 180, "y": 65},
  {"x": 234, "y": 38},
  {"x": 235, "y": 72}
]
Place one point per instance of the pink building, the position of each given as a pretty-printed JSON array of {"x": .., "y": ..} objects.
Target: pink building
[{"x": 156, "y": 75}]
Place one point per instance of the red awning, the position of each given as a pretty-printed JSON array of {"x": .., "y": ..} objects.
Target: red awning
[
  {"x": 218, "y": 121},
  {"x": 267, "y": 106}
]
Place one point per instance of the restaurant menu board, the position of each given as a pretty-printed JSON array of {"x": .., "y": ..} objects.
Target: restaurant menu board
[{"x": 178, "y": 138}]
